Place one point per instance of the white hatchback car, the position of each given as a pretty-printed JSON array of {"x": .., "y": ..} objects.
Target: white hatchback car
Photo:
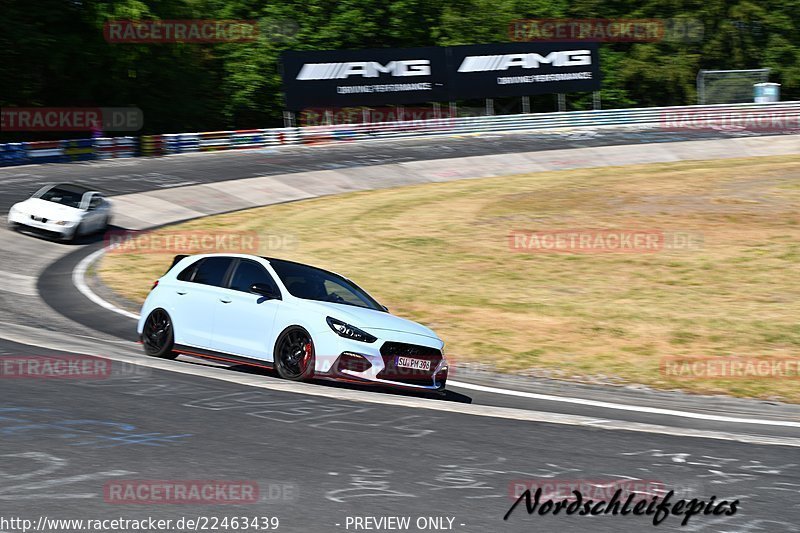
[
  {"x": 300, "y": 320},
  {"x": 65, "y": 210}
]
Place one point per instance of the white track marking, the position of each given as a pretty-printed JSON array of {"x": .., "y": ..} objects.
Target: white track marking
[
  {"x": 623, "y": 407},
  {"x": 78, "y": 279}
]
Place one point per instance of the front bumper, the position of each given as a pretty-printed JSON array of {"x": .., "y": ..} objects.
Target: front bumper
[
  {"x": 377, "y": 364},
  {"x": 41, "y": 224}
]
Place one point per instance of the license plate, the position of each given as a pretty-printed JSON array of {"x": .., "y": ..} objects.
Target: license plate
[{"x": 414, "y": 364}]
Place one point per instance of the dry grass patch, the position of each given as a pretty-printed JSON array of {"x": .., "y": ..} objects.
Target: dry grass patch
[{"x": 438, "y": 253}]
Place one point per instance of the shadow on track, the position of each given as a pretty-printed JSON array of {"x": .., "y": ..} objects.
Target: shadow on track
[
  {"x": 447, "y": 395},
  {"x": 82, "y": 240}
]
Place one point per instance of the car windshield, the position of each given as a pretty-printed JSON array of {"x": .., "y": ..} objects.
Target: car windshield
[
  {"x": 62, "y": 195},
  {"x": 312, "y": 283}
]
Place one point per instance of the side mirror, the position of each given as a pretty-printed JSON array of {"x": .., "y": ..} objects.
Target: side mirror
[{"x": 267, "y": 291}]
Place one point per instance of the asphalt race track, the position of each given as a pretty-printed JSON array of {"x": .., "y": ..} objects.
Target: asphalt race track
[
  {"x": 319, "y": 462},
  {"x": 322, "y": 455},
  {"x": 136, "y": 175}
]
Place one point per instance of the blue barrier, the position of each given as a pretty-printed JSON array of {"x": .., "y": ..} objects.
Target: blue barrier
[
  {"x": 178, "y": 143},
  {"x": 13, "y": 154},
  {"x": 189, "y": 142},
  {"x": 47, "y": 152},
  {"x": 172, "y": 144}
]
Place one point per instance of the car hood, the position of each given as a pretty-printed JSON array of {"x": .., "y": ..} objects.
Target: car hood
[
  {"x": 374, "y": 321},
  {"x": 43, "y": 208}
]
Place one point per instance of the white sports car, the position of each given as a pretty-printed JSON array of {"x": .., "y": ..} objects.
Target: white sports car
[
  {"x": 300, "y": 320},
  {"x": 65, "y": 210}
]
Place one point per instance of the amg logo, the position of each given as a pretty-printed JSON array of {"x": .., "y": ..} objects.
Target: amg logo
[
  {"x": 566, "y": 58},
  {"x": 365, "y": 69}
]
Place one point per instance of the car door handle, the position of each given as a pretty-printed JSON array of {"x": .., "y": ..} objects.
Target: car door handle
[
  {"x": 223, "y": 300},
  {"x": 181, "y": 292}
]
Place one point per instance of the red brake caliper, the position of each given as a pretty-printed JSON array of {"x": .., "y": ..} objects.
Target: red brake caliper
[{"x": 306, "y": 354}]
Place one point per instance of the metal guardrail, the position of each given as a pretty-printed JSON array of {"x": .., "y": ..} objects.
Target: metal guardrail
[
  {"x": 782, "y": 115},
  {"x": 778, "y": 116}
]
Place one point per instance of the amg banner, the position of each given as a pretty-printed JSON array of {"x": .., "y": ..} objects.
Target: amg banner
[
  {"x": 363, "y": 77},
  {"x": 409, "y": 75},
  {"x": 521, "y": 69},
  {"x": 342, "y": 78}
]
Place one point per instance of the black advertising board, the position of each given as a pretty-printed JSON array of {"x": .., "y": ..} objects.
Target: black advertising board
[
  {"x": 521, "y": 69},
  {"x": 344, "y": 78},
  {"x": 364, "y": 77}
]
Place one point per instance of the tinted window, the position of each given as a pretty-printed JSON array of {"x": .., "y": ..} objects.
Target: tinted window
[
  {"x": 249, "y": 272},
  {"x": 339, "y": 293},
  {"x": 312, "y": 283},
  {"x": 187, "y": 273},
  {"x": 212, "y": 271},
  {"x": 63, "y": 196}
]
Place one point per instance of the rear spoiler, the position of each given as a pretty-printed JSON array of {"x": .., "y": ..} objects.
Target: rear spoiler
[{"x": 176, "y": 260}]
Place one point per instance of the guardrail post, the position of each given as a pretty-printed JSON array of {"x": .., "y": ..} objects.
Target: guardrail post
[
  {"x": 562, "y": 102},
  {"x": 489, "y": 107},
  {"x": 596, "y": 103},
  {"x": 526, "y": 104},
  {"x": 288, "y": 119}
]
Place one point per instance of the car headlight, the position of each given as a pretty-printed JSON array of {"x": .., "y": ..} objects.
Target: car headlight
[
  {"x": 64, "y": 222},
  {"x": 343, "y": 329}
]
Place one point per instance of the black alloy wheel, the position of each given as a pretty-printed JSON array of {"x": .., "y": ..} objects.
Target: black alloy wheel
[
  {"x": 294, "y": 354},
  {"x": 157, "y": 335}
]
